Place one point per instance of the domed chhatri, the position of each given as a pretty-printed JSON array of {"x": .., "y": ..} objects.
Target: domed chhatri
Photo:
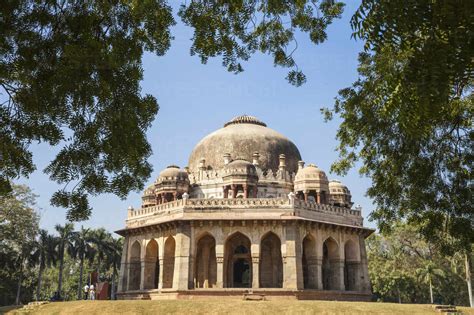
[
  {"x": 243, "y": 136},
  {"x": 246, "y": 214}
]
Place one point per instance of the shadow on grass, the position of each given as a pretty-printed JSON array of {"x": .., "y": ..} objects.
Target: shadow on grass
[{"x": 4, "y": 309}]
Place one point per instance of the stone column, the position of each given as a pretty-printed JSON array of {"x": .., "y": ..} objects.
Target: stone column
[
  {"x": 364, "y": 269},
  {"x": 246, "y": 191},
  {"x": 318, "y": 197},
  {"x": 312, "y": 280},
  {"x": 142, "y": 274},
  {"x": 181, "y": 260},
  {"x": 226, "y": 192},
  {"x": 220, "y": 271},
  {"x": 255, "y": 274},
  {"x": 293, "y": 268},
  {"x": 337, "y": 273},
  {"x": 160, "y": 276},
  {"x": 319, "y": 273},
  {"x": 305, "y": 196},
  {"x": 123, "y": 273},
  {"x": 234, "y": 191}
]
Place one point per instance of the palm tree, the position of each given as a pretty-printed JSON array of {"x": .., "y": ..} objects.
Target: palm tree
[
  {"x": 100, "y": 238},
  {"x": 65, "y": 234},
  {"x": 25, "y": 259},
  {"x": 114, "y": 253},
  {"x": 45, "y": 255},
  {"x": 427, "y": 274},
  {"x": 81, "y": 248}
]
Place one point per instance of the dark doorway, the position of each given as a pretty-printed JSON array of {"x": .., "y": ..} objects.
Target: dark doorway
[{"x": 241, "y": 273}]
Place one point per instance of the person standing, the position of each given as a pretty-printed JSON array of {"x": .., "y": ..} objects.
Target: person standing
[
  {"x": 91, "y": 292},
  {"x": 86, "y": 292}
]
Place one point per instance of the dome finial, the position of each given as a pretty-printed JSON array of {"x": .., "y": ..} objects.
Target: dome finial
[{"x": 245, "y": 119}]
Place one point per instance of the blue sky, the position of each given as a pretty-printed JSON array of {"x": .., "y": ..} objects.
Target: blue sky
[{"x": 197, "y": 99}]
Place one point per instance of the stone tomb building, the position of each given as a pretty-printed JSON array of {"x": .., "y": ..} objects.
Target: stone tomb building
[{"x": 245, "y": 216}]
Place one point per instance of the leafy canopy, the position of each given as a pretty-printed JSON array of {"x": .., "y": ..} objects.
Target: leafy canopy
[
  {"x": 408, "y": 119},
  {"x": 70, "y": 74}
]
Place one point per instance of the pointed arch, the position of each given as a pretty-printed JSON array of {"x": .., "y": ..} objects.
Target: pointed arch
[
  {"x": 237, "y": 261},
  {"x": 134, "y": 266},
  {"x": 168, "y": 262},
  {"x": 309, "y": 262},
  {"x": 271, "y": 263},
  {"x": 330, "y": 267},
  {"x": 205, "y": 270},
  {"x": 152, "y": 265}
]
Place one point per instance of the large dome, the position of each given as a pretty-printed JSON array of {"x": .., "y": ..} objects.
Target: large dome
[{"x": 242, "y": 137}]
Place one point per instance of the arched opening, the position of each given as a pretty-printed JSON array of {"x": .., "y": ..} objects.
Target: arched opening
[
  {"x": 238, "y": 263},
  {"x": 205, "y": 273},
  {"x": 351, "y": 266},
  {"x": 152, "y": 265},
  {"x": 310, "y": 271},
  {"x": 330, "y": 268},
  {"x": 271, "y": 264},
  {"x": 134, "y": 267},
  {"x": 168, "y": 262}
]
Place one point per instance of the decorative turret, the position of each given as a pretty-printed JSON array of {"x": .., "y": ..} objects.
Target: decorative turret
[
  {"x": 311, "y": 184},
  {"x": 339, "y": 194},
  {"x": 171, "y": 184},
  {"x": 240, "y": 178},
  {"x": 148, "y": 197}
]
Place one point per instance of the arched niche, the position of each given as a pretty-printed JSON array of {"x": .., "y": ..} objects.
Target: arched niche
[
  {"x": 168, "y": 262},
  {"x": 271, "y": 264},
  {"x": 205, "y": 271},
  {"x": 238, "y": 262}
]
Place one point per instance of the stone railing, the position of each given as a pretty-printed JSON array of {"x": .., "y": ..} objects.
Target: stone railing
[{"x": 250, "y": 203}]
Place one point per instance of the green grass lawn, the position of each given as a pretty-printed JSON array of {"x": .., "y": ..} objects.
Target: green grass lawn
[{"x": 225, "y": 306}]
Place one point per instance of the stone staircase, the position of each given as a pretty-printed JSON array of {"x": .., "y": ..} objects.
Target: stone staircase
[{"x": 447, "y": 309}]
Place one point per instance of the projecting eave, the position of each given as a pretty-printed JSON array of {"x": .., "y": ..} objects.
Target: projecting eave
[{"x": 283, "y": 220}]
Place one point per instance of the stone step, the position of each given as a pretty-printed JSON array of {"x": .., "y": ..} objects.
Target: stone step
[
  {"x": 447, "y": 309},
  {"x": 254, "y": 297}
]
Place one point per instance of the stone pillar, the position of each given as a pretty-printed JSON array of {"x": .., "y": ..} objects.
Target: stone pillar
[
  {"x": 123, "y": 273},
  {"x": 293, "y": 268},
  {"x": 364, "y": 268},
  {"x": 246, "y": 191},
  {"x": 226, "y": 191},
  {"x": 255, "y": 272},
  {"x": 175, "y": 196},
  {"x": 181, "y": 260},
  {"x": 220, "y": 271},
  {"x": 255, "y": 191},
  {"x": 234, "y": 191},
  {"x": 163, "y": 198},
  {"x": 142, "y": 274},
  {"x": 319, "y": 273},
  {"x": 305, "y": 196},
  {"x": 318, "y": 197},
  {"x": 337, "y": 274},
  {"x": 255, "y": 252},
  {"x": 313, "y": 276},
  {"x": 160, "y": 276}
]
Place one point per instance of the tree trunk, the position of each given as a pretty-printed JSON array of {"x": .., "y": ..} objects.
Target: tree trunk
[
  {"x": 467, "y": 260},
  {"x": 399, "y": 296},
  {"x": 112, "y": 295},
  {"x": 18, "y": 290},
  {"x": 40, "y": 277},
  {"x": 81, "y": 270},
  {"x": 61, "y": 266},
  {"x": 431, "y": 291}
]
